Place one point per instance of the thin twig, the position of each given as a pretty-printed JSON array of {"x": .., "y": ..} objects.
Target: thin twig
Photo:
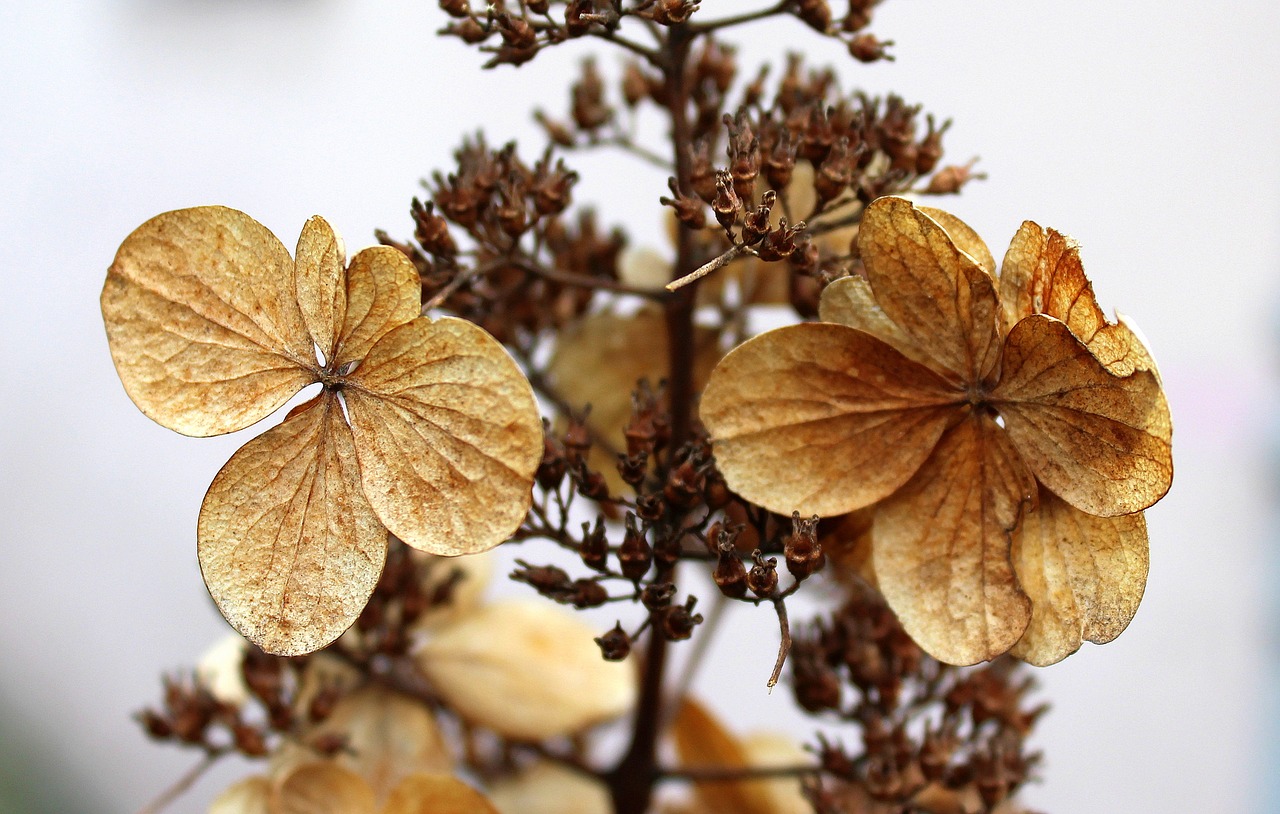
[
  {"x": 450, "y": 288},
  {"x": 707, "y": 268},
  {"x": 183, "y": 783},
  {"x": 728, "y": 774},
  {"x": 748, "y": 17},
  {"x": 784, "y": 646}
]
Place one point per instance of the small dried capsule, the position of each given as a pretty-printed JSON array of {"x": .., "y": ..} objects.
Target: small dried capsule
[
  {"x": 802, "y": 551},
  {"x": 595, "y": 547},
  {"x": 615, "y": 645},
  {"x": 679, "y": 621},
  {"x": 762, "y": 579},
  {"x": 730, "y": 574},
  {"x": 634, "y": 555}
]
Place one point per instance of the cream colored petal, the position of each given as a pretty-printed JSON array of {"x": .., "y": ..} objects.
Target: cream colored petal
[
  {"x": 771, "y": 750},
  {"x": 821, "y": 419},
  {"x": 934, "y": 291},
  {"x": 1085, "y": 576},
  {"x": 438, "y": 794},
  {"x": 475, "y": 574},
  {"x": 289, "y": 548},
  {"x": 203, "y": 323},
  {"x": 643, "y": 268},
  {"x": 549, "y": 788},
  {"x": 526, "y": 669},
  {"x": 321, "y": 284},
  {"x": 251, "y": 795},
  {"x": 941, "y": 546},
  {"x": 1099, "y": 441},
  {"x": 448, "y": 435},
  {"x": 965, "y": 238},
  {"x": 850, "y": 301},
  {"x": 322, "y": 788},
  {"x": 383, "y": 292},
  {"x": 703, "y": 743},
  {"x": 221, "y": 670}
]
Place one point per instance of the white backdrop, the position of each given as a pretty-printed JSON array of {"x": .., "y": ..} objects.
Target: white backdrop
[{"x": 1148, "y": 130}]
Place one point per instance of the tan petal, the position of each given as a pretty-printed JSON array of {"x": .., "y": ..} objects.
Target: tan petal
[
  {"x": 251, "y": 795},
  {"x": 322, "y": 788},
  {"x": 383, "y": 292},
  {"x": 703, "y": 743},
  {"x": 846, "y": 542},
  {"x": 437, "y": 794},
  {"x": 549, "y": 788},
  {"x": 965, "y": 238},
  {"x": 322, "y": 293},
  {"x": 850, "y": 301},
  {"x": 767, "y": 750},
  {"x": 643, "y": 268},
  {"x": 448, "y": 435},
  {"x": 474, "y": 573},
  {"x": 221, "y": 669},
  {"x": 941, "y": 546},
  {"x": 289, "y": 548},
  {"x": 1085, "y": 576},
  {"x": 1099, "y": 441},
  {"x": 389, "y": 737},
  {"x": 934, "y": 291},
  {"x": 526, "y": 669},
  {"x": 203, "y": 322},
  {"x": 821, "y": 419}
]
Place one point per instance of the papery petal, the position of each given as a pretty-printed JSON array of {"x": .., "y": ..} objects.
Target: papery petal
[
  {"x": 934, "y": 291},
  {"x": 941, "y": 546},
  {"x": 1085, "y": 576},
  {"x": 448, "y": 435},
  {"x": 221, "y": 670},
  {"x": 383, "y": 293},
  {"x": 703, "y": 743},
  {"x": 526, "y": 669},
  {"x": 251, "y": 795},
  {"x": 965, "y": 238},
  {"x": 289, "y": 548},
  {"x": 1099, "y": 441},
  {"x": 770, "y": 750},
  {"x": 321, "y": 285},
  {"x": 549, "y": 788},
  {"x": 850, "y": 301},
  {"x": 437, "y": 794},
  {"x": 203, "y": 321},
  {"x": 322, "y": 788},
  {"x": 821, "y": 419}
]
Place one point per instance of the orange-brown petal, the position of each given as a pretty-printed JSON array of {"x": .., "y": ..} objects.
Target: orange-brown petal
[
  {"x": 964, "y": 236},
  {"x": 436, "y": 794},
  {"x": 448, "y": 435},
  {"x": 321, "y": 287},
  {"x": 821, "y": 419},
  {"x": 203, "y": 321},
  {"x": 941, "y": 546},
  {"x": 289, "y": 548},
  {"x": 383, "y": 292},
  {"x": 1099, "y": 441},
  {"x": 935, "y": 292},
  {"x": 702, "y": 743},
  {"x": 322, "y": 788},
  {"x": 1085, "y": 576}
]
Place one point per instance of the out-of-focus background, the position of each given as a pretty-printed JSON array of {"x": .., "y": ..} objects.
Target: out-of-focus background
[{"x": 1148, "y": 130}]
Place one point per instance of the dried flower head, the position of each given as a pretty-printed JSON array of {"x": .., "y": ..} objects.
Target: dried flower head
[
  {"x": 423, "y": 427},
  {"x": 1008, "y": 440}
]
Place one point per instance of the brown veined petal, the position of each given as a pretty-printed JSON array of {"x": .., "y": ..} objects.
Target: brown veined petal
[
  {"x": 526, "y": 669},
  {"x": 1085, "y": 576},
  {"x": 850, "y": 301},
  {"x": 1099, "y": 441},
  {"x": 965, "y": 238},
  {"x": 941, "y": 546},
  {"x": 289, "y": 548},
  {"x": 437, "y": 794},
  {"x": 821, "y": 419},
  {"x": 251, "y": 795},
  {"x": 448, "y": 435},
  {"x": 934, "y": 291},
  {"x": 550, "y": 788},
  {"x": 322, "y": 788},
  {"x": 383, "y": 293},
  {"x": 203, "y": 322},
  {"x": 703, "y": 743},
  {"x": 322, "y": 292}
]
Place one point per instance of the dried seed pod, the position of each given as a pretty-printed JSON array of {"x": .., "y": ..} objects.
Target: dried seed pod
[
  {"x": 762, "y": 579},
  {"x": 615, "y": 645},
  {"x": 802, "y": 551},
  {"x": 634, "y": 555}
]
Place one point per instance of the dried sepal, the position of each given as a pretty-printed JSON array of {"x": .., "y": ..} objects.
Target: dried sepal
[
  {"x": 821, "y": 418},
  {"x": 549, "y": 788},
  {"x": 964, "y": 236},
  {"x": 436, "y": 794},
  {"x": 383, "y": 292},
  {"x": 319, "y": 264},
  {"x": 703, "y": 743},
  {"x": 203, "y": 321},
  {"x": 322, "y": 788},
  {"x": 1085, "y": 576},
  {"x": 289, "y": 547},
  {"x": 1099, "y": 441},
  {"x": 448, "y": 435},
  {"x": 527, "y": 670},
  {"x": 252, "y": 795}
]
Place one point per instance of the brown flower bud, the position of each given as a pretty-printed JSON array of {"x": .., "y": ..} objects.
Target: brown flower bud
[
  {"x": 590, "y": 112},
  {"x": 837, "y": 171},
  {"x": 802, "y": 551},
  {"x": 930, "y": 150},
  {"x": 633, "y": 468},
  {"x": 538, "y": 6},
  {"x": 516, "y": 32},
  {"x": 551, "y": 469},
  {"x": 815, "y": 13},
  {"x": 689, "y": 210},
  {"x": 866, "y": 48},
  {"x": 595, "y": 546},
  {"x": 548, "y": 580},
  {"x": 762, "y": 579},
  {"x": 157, "y": 725},
  {"x": 634, "y": 555},
  {"x": 672, "y": 12},
  {"x": 679, "y": 621},
  {"x": 249, "y": 740},
  {"x": 578, "y": 17},
  {"x": 456, "y": 8},
  {"x": 658, "y": 595},
  {"x": 730, "y": 574},
  {"x": 635, "y": 85},
  {"x": 780, "y": 243},
  {"x": 755, "y": 223},
  {"x": 816, "y": 685},
  {"x": 950, "y": 180},
  {"x": 551, "y": 187},
  {"x": 469, "y": 31},
  {"x": 430, "y": 230},
  {"x": 726, "y": 204},
  {"x": 558, "y": 132},
  {"x": 615, "y": 645},
  {"x": 587, "y": 593}
]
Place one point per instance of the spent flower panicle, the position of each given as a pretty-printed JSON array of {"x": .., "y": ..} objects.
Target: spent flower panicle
[
  {"x": 1007, "y": 445},
  {"x": 423, "y": 427}
]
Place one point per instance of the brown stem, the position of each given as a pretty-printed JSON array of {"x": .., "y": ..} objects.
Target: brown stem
[
  {"x": 748, "y": 17},
  {"x": 784, "y": 646},
  {"x": 182, "y": 784},
  {"x": 726, "y": 775}
]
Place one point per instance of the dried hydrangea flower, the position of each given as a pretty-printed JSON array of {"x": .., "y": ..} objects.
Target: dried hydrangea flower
[
  {"x": 423, "y": 427},
  {"x": 990, "y": 436},
  {"x": 323, "y": 787}
]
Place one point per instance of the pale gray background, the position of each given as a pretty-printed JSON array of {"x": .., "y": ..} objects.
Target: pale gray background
[{"x": 1145, "y": 129}]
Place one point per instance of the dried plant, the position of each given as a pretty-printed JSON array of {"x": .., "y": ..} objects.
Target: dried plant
[{"x": 959, "y": 453}]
